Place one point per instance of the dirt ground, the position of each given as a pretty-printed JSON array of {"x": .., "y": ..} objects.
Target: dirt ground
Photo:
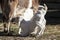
[{"x": 52, "y": 32}]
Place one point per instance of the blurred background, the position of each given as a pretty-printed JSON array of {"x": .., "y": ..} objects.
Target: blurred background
[{"x": 53, "y": 14}]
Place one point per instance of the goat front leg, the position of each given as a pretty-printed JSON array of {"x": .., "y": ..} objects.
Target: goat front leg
[
  {"x": 19, "y": 24},
  {"x": 9, "y": 24},
  {"x": 4, "y": 23}
]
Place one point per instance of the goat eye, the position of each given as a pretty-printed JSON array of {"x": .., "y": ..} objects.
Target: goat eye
[{"x": 31, "y": 7}]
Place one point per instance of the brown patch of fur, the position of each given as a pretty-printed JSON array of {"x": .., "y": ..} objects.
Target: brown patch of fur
[
  {"x": 13, "y": 4},
  {"x": 35, "y": 5},
  {"x": 23, "y": 3}
]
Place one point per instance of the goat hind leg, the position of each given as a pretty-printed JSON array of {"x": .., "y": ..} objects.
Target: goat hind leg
[
  {"x": 34, "y": 33},
  {"x": 42, "y": 26},
  {"x": 41, "y": 31}
]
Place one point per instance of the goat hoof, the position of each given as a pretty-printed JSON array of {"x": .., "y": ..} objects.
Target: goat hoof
[
  {"x": 32, "y": 35},
  {"x": 23, "y": 35},
  {"x": 5, "y": 30}
]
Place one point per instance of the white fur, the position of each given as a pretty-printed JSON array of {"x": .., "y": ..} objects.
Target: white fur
[
  {"x": 30, "y": 4},
  {"x": 28, "y": 14}
]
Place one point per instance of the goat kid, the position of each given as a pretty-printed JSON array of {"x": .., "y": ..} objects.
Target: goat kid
[{"x": 39, "y": 17}]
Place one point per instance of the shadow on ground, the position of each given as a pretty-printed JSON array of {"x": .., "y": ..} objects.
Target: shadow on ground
[{"x": 52, "y": 32}]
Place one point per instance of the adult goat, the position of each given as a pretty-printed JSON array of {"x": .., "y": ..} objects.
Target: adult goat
[{"x": 15, "y": 8}]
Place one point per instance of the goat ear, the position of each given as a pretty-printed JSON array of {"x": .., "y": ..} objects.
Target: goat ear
[{"x": 45, "y": 6}]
